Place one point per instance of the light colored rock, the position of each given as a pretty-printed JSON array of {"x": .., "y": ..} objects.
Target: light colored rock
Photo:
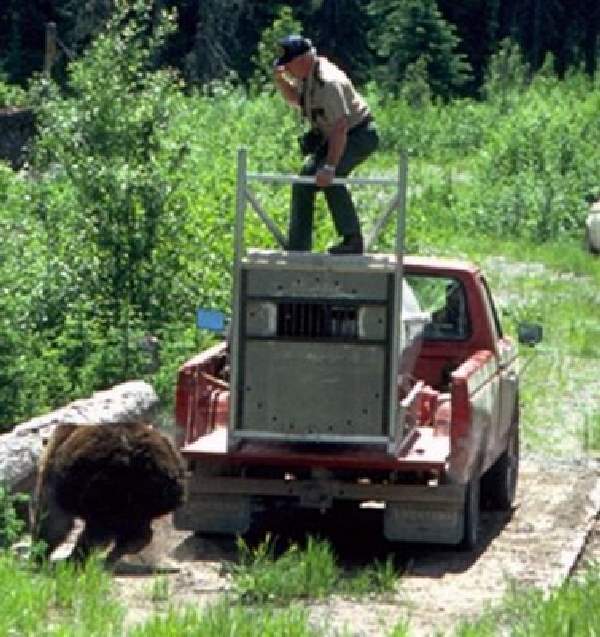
[
  {"x": 18, "y": 458},
  {"x": 21, "y": 448},
  {"x": 592, "y": 228},
  {"x": 126, "y": 402}
]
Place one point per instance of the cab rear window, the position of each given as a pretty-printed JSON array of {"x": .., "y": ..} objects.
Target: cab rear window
[{"x": 444, "y": 298}]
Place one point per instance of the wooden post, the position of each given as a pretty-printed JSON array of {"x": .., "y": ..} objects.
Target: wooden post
[{"x": 50, "y": 53}]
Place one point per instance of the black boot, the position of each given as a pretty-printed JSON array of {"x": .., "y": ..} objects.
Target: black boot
[{"x": 352, "y": 244}]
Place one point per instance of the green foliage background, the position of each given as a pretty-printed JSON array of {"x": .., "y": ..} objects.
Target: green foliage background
[
  {"x": 216, "y": 37},
  {"x": 121, "y": 226}
]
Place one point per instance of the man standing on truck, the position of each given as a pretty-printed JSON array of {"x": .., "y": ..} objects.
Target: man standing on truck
[{"x": 342, "y": 135}]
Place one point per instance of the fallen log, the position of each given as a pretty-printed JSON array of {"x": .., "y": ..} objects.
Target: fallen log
[{"x": 21, "y": 448}]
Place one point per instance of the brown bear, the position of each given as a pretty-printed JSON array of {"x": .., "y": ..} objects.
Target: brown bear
[{"x": 115, "y": 477}]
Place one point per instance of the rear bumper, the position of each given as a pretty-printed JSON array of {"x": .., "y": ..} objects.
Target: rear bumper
[
  {"x": 412, "y": 513},
  {"x": 314, "y": 493}
]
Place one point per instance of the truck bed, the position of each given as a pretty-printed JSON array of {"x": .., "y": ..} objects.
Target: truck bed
[{"x": 426, "y": 449}]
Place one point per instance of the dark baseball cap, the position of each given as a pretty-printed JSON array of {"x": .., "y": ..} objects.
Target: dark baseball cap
[{"x": 293, "y": 46}]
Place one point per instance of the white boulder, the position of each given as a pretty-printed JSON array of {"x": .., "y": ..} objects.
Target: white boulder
[{"x": 592, "y": 228}]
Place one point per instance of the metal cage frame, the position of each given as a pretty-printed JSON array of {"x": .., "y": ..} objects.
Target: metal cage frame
[{"x": 398, "y": 202}]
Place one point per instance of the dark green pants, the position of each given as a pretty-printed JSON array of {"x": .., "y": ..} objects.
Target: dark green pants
[{"x": 359, "y": 145}]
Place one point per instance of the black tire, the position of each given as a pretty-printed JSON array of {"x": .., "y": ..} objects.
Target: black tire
[
  {"x": 500, "y": 481},
  {"x": 471, "y": 515}
]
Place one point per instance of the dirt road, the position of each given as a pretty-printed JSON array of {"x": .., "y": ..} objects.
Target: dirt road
[{"x": 538, "y": 545}]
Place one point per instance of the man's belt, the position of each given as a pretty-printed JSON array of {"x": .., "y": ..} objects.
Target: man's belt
[{"x": 362, "y": 124}]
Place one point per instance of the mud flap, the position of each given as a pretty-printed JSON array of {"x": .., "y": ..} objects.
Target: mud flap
[
  {"x": 420, "y": 522},
  {"x": 224, "y": 514}
]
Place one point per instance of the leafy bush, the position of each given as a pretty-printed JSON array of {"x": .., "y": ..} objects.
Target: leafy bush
[
  {"x": 109, "y": 140},
  {"x": 539, "y": 165},
  {"x": 11, "y": 95},
  {"x": 524, "y": 171},
  {"x": 506, "y": 75},
  {"x": 107, "y": 204},
  {"x": 11, "y": 525},
  {"x": 283, "y": 24},
  {"x": 22, "y": 272}
]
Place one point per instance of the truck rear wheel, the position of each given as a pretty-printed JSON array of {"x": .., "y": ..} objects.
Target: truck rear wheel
[
  {"x": 500, "y": 481},
  {"x": 471, "y": 515}
]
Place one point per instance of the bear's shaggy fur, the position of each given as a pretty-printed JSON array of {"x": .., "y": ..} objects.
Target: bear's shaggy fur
[{"x": 115, "y": 477}]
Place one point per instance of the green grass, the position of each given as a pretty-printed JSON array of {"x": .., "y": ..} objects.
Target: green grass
[
  {"x": 378, "y": 578},
  {"x": 571, "y": 610},
  {"x": 231, "y": 620},
  {"x": 159, "y": 591},
  {"x": 309, "y": 573},
  {"x": 72, "y": 602},
  {"x": 591, "y": 432},
  {"x": 64, "y": 601},
  {"x": 77, "y": 602},
  {"x": 560, "y": 377}
]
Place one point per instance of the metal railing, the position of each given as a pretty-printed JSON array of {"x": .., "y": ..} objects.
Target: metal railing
[{"x": 245, "y": 195}]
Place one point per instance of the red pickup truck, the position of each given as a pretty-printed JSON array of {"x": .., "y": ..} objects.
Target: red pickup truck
[{"x": 368, "y": 378}]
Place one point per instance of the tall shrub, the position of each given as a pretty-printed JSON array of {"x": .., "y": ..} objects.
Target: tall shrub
[
  {"x": 106, "y": 141},
  {"x": 267, "y": 49},
  {"x": 107, "y": 198},
  {"x": 408, "y": 30},
  {"x": 507, "y": 74}
]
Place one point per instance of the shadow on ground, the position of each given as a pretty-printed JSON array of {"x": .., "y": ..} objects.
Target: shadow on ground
[{"x": 355, "y": 535}]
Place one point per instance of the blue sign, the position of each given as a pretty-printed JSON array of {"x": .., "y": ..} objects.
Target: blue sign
[{"x": 212, "y": 320}]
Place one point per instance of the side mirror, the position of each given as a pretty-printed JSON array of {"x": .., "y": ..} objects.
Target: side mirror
[{"x": 530, "y": 333}]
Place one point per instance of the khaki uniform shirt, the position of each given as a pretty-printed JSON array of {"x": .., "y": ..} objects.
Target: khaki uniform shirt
[{"x": 328, "y": 94}]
